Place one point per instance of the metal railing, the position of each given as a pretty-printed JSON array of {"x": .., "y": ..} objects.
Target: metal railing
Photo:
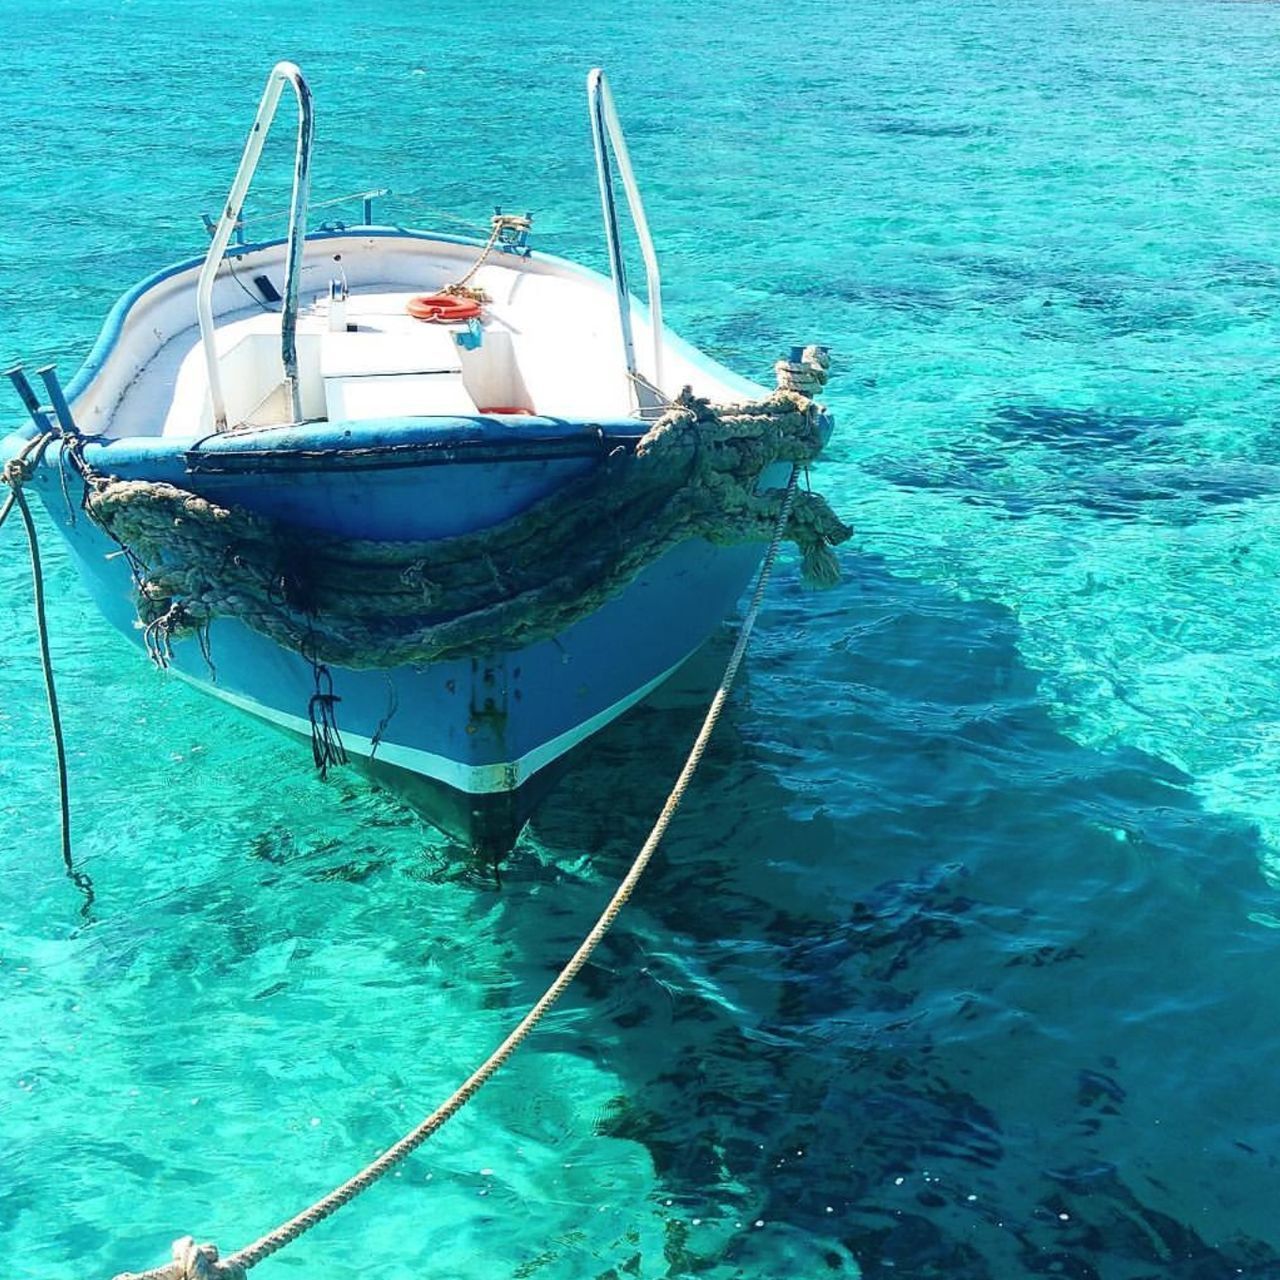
[
  {"x": 366, "y": 199},
  {"x": 281, "y": 74},
  {"x": 606, "y": 131}
]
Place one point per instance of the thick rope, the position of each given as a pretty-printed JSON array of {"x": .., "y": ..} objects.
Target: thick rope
[
  {"x": 202, "y": 1262},
  {"x": 806, "y": 376},
  {"x": 15, "y": 474},
  {"x": 368, "y": 604}
]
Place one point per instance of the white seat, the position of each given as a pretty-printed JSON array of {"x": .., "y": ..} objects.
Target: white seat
[
  {"x": 428, "y": 348},
  {"x": 393, "y": 375},
  {"x": 407, "y": 395}
]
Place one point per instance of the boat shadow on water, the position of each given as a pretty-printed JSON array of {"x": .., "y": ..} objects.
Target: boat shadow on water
[{"x": 917, "y": 980}]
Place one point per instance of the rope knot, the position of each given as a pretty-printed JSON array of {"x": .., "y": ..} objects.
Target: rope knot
[
  {"x": 511, "y": 222},
  {"x": 201, "y": 1262},
  {"x": 170, "y": 620},
  {"x": 17, "y": 471},
  {"x": 191, "y": 1261},
  {"x": 808, "y": 375},
  {"x": 414, "y": 577}
]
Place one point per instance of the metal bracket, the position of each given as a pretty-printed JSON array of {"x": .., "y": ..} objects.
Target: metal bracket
[
  {"x": 211, "y": 226},
  {"x": 512, "y": 239}
]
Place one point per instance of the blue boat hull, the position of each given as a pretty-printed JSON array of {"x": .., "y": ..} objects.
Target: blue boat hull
[{"x": 480, "y": 727}]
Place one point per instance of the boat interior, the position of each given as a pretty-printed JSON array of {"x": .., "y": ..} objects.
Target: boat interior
[
  {"x": 547, "y": 342},
  {"x": 320, "y": 327}
]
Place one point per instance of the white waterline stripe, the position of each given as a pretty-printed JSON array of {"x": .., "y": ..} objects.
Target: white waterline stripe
[{"x": 474, "y": 779}]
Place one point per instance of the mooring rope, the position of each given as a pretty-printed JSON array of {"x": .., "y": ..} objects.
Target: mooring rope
[
  {"x": 16, "y": 472},
  {"x": 499, "y": 223},
  {"x": 193, "y": 1261}
]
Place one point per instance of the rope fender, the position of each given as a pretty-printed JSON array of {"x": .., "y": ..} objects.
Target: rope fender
[{"x": 367, "y": 604}]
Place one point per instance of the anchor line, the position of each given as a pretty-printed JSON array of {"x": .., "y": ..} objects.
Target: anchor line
[
  {"x": 16, "y": 472},
  {"x": 203, "y": 1262},
  {"x": 500, "y": 222}
]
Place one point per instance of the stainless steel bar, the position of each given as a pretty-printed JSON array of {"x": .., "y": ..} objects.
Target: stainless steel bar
[
  {"x": 49, "y": 376},
  {"x": 606, "y": 128},
  {"x": 281, "y": 74},
  {"x": 612, "y": 236}
]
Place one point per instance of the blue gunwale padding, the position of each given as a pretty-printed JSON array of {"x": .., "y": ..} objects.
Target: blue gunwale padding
[
  {"x": 390, "y": 479},
  {"x": 394, "y": 442}
]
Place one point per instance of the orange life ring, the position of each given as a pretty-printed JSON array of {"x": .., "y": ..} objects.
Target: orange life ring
[{"x": 442, "y": 308}]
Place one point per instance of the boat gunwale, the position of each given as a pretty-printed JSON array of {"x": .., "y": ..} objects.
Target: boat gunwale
[
  {"x": 378, "y": 444},
  {"x": 114, "y": 324}
]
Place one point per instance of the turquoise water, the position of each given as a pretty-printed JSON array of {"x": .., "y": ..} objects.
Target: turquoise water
[{"x": 960, "y": 959}]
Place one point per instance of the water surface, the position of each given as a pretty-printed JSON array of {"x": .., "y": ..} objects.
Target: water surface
[{"x": 960, "y": 959}]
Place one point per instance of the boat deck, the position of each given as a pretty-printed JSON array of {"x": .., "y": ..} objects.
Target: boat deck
[
  {"x": 366, "y": 357},
  {"x": 547, "y": 343}
]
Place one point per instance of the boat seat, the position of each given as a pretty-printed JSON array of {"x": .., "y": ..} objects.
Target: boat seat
[{"x": 393, "y": 375}]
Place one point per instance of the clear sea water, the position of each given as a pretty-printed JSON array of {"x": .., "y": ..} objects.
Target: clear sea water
[{"x": 961, "y": 959}]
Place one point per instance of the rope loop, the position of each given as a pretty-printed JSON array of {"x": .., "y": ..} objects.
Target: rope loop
[
  {"x": 17, "y": 471},
  {"x": 326, "y": 742}
]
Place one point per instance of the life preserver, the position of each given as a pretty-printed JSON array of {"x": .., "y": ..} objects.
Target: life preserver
[{"x": 442, "y": 308}]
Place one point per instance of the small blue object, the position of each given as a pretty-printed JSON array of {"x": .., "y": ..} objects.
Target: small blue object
[
  {"x": 511, "y": 239},
  {"x": 472, "y": 338},
  {"x": 797, "y": 354}
]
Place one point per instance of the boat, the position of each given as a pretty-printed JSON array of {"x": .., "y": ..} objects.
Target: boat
[{"x": 494, "y": 449}]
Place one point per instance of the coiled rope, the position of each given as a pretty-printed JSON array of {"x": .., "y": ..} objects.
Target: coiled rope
[
  {"x": 15, "y": 474},
  {"x": 193, "y": 1261}
]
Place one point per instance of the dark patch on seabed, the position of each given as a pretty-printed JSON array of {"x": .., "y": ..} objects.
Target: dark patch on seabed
[
  {"x": 840, "y": 1007},
  {"x": 923, "y": 302},
  {"x": 1129, "y": 436},
  {"x": 906, "y": 127},
  {"x": 1110, "y": 466}
]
